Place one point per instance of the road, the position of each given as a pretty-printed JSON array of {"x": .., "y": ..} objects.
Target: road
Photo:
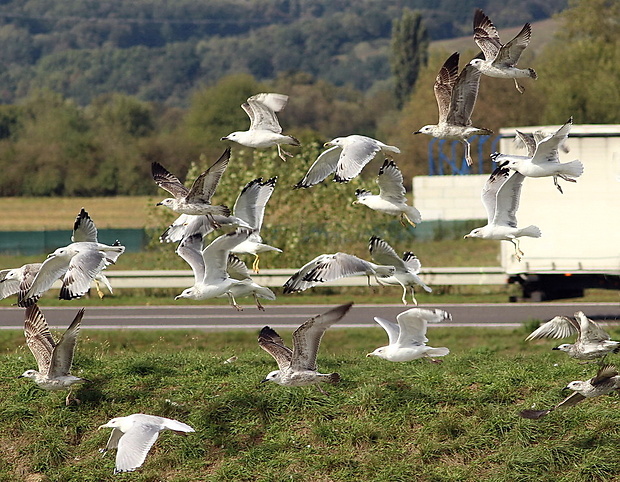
[{"x": 289, "y": 316}]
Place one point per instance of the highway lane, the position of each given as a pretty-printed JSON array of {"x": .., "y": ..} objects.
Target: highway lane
[{"x": 508, "y": 315}]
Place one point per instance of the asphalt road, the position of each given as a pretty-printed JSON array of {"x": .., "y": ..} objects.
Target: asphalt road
[{"x": 290, "y": 316}]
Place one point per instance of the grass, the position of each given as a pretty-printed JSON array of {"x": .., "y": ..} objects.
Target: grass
[{"x": 454, "y": 421}]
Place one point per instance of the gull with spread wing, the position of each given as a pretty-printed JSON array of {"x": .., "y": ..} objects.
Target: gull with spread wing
[
  {"x": 500, "y": 60},
  {"x": 407, "y": 338},
  {"x": 265, "y": 130},
  {"x": 298, "y": 367},
  {"x": 456, "y": 96}
]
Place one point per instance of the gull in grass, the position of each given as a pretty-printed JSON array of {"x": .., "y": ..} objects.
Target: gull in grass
[
  {"x": 592, "y": 341},
  {"x": 53, "y": 359},
  {"x": 134, "y": 435},
  {"x": 500, "y": 60},
  {"x": 604, "y": 382},
  {"x": 265, "y": 130},
  {"x": 197, "y": 199},
  {"x": 407, "y": 338},
  {"x": 78, "y": 264},
  {"x": 346, "y": 157},
  {"x": 330, "y": 267},
  {"x": 392, "y": 195},
  {"x": 298, "y": 367},
  {"x": 544, "y": 161},
  {"x": 250, "y": 207},
  {"x": 406, "y": 269},
  {"x": 500, "y": 197},
  {"x": 456, "y": 96},
  {"x": 209, "y": 266}
]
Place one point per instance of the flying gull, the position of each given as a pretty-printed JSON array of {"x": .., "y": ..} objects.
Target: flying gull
[
  {"x": 53, "y": 359},
  {"x": 545, "y": 161},
  {"x": 605, "y": 381},
  {"x": 78, "y": 264},
  {"x": 265, "y": 130},
  {"x": 298, "y": 367},
  {"x": 592, "y": 341},
  {"x": 134, "y": 435},
  {"x": 190, "y": 224},
  {"x": 392, "y": 195},
  {"x": 407, "y": 338},
  {"x": 250, "y": 207},
  {"x": 247, "y": 286},
  {"x": 406, "y": 269},
  {"x": 346, "y": 157},
  {"x": 197, "y": 199},
  {"x": 456, "y": 96},
  {"x": 500, "y": 197},
  {"x": 500, "y": 60}
]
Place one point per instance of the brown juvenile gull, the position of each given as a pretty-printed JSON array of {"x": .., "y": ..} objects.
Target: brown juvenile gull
[
  {"x": 53, "y": 359},
  {"x": 592, "y": 341},
  {"x": 456, "y": 97},
  {"x": 134, "y": 435},
  {"x": 545, "y": 162},
  {"x": 265, "y": 130},
  {"x": 298, "y": 367},
  {"x": 500, "y": 60},
  {"x": 392, "y": 195},
  {"x": 197, "y": 199},
  {"x": 346, "y": 157},
  {"x": 606, "y": 381},
  {"x": 78, "y": 264},
  {"x": 407, "y": 338},
  {"x": 500, "y": 197}
]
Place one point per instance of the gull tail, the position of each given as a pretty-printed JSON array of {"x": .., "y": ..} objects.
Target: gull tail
[
  {"x": 413, "y": 215},
  {"x": 333, "y": 378},
  {"x": 572, "y": 169},
  {"x": 292, "y": 141},
  {"x": 532, "y": 73},
  {"x": 441, "y": 351},
  {"x": 265, "y": 293},
  {"x": 221, "y": 209},
  {"x": 531, "y": 231}
]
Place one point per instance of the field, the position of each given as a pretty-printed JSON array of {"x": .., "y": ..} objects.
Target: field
[{"x": 454, "y": 421}]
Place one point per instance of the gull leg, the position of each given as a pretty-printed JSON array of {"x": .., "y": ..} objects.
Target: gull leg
[
  {"x": 555, "y": 181},
  {"x": 468, "y": 158},
  {"x": 403, "y": 215},
  {"x": 258, "y": 303},
  {"x": 402, "y": 220},
  {"x": 282, "y": 153},
  {"x": 519, "y": 88},
  {"x": 566, "y": 178},
  {"x": 98, "y": 288},
  {"x": 404, "y": 298},
  {"x": 215, "y": 224},
  {"x": 255, "y": 263},
  {"x": 518, "y": 252},
  {"x": 321, "y": 390},
  {"x": 233, "y": 303},
  {"x": 415, "y": 302}
]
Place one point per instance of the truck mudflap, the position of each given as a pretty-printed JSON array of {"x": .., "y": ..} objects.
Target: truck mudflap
[{"x": 556, "y": 286}]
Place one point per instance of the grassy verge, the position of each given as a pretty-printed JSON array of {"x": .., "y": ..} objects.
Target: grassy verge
[{"x": 455, "y": 421}]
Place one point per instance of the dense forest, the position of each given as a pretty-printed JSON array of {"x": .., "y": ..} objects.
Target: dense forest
[{"x": 95, "y": 91}]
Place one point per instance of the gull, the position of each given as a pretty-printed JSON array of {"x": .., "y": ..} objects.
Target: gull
[
  {"x": 265, "y": 130},
  {"x": 456, "y": 96},
  {"x": 197, "y": 199},
  {"x": 406, "y": 269},
  {"x": 606, "y": 381},
  {"x": 250, "y": 207},
  {"x": 134, "y": 435},
  {"x": 329, "y": 267},
  {"x": 247, "y": 286},
  {"x": 190, "y": 224},
  {"x": 544, "y": 161},
  {"x": 78, "y": 264},
  {"x": 391, "y": 198},
  {"x": 209, "y": 266},
  {"x": 298, "y": 367},
  {"x": 407, "y": 338},
  {"x": 346, "y": 157},
  {"x": 500, "y": 60},
  {"x": 17, "y": 279},
  {"x": 592, "y": 341},
  {"x": 53, "y": 359},
  {"x": 500, "y": 197}
]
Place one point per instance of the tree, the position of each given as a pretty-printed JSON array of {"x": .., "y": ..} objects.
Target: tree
[{"x": 409, "y": 52}]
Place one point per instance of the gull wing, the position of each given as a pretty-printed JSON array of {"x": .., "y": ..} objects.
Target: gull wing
[
  {"x": 412, "y": 262},
  {"x": 62, "y": 356},
  {"x": 390, "y": 181},
  {"x": 526, "y": 140},
  {"x": 464, "y": 95},
  {"x": 485, "y": 35},
  {"x": 384, "y": 254},
  {"x": 237, "y": 269},
  {"x": 307, "y": 338},
  {"x": 444, "y": 84},
  {"x": 509, "y": 54},
  {"x": 133, "y": 447},
  {"x": 547, "y": 149},
  {"x": 324, "y": 165},
  {"x": 339, "y": 265},
  {"x": 250, "y": 205},
  {"x": 215, "y": 255},
  {"x": 38, "y": 338},
  {"x": 507, "y": 200},
  {"x": 168, "y": 181},
  {"x": 297, "y": 282},
  {"x": 489, "y": 191},
  {"x": 53, "y": 268},
  {"x": 8, "y": 286},
  {"x": 590, "y": 331},
  {"x": 271, "y": 342},
  {"x": 604, "y": 374},
  {"x": 261, "y": 109},
  {"x": 557, "y": 327},
  {"x": 413, "y": 324},
  {"x": 83, "y": 268},
  {"x": 84, "y": 228},
  {"x": 204, "y": 186},
  {"x": 356, "y": 153},
  {"x": 571, "y": 400},
  {"x": 392, "y": 329},
  {"x": 190, "y": 249}
]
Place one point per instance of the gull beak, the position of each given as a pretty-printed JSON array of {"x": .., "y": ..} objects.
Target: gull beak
[
  {"x": 177, "y": 297},
  {"x": 223, "y": 138},
  {"x": 105, "y": 425},
  {"x": 264, "y": 380},
  {"x": 369, "y": 354},
  {"x": 564, "y": 389},
  {"x": 556, "y": 348},
  {"x": 158, "y": 204},
  {"x": 354, "y": 203},
  {"x": 416, "y": 132},
  {"x": 466, "y": 236}
]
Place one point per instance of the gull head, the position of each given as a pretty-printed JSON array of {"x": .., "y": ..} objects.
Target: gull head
[
  {"x": 475, "y": 233},
  {"x": 428, "y": 129},
  {"x": 169, "y": 202},
  {"x": 114, "y": 423},
  {"x": 273, "y": 376},
  {"x": 338, "y": 141},
  {"x": 575, "y": 385},
  {"x": 233, "y": 136},
  {"x": 32, "y": 374},
  {"x": 563, "y": 347},
  {"x": 379, "y": 352},
  {"x": 187, "y": 293},
  {"x": 476, "y": 63},
  {"x": 361, "y": 195}
]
